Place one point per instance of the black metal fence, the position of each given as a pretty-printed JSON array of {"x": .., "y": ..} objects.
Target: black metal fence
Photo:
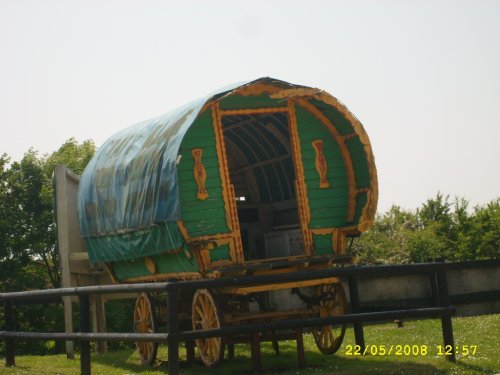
[{"x": 173, "y": 337}]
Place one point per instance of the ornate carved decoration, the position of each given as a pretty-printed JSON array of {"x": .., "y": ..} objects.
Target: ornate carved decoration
[
  {"x": 320, "y": 164},
  {"x": 200, "y": 175}
]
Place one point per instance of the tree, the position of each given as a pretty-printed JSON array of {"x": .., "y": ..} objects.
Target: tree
[
  {"x": 28, "y": 254},
  {"x": 388, "y": 241},
  {"x": 439, "y": 230},
  {"x": 27, "y": 227},
  {"x": 485, "y": 231}
]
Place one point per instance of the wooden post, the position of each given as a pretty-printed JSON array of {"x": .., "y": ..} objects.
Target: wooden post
[
  {"x": 10, "y": 360},
  {"x": 256, "y": 354},
  {"x": 358, "y": 326},
  {"x": 434, "y": 289},
  {"x": 173, "y": 330},
  {"x": 85, "y": 368},
  {"x": 301, "y": 358},
  {"x": 68, "y": 238},
  {"x": 446, "y": 325},
  {"x": 230, "y": 351},
  {"x": 99, "y": 321},
  {"x": 190, "y": 357}
]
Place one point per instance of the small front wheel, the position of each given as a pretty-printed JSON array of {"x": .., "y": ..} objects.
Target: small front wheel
[
  {"x": 145, "y": 322},
  {"x": 207, "y": 315}
]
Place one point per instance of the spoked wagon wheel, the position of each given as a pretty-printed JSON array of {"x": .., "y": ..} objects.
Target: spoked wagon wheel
[
  {"x": 207, "y": 315},
  {"x": 331, "y": 303},
  {"x": 145, "y": 322}
]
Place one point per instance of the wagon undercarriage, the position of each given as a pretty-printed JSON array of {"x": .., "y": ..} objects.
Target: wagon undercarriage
[{"x": 212, "y": 310}]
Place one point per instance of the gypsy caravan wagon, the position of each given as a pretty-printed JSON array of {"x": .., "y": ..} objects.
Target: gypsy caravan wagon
[{"x": 264, "y": 177}]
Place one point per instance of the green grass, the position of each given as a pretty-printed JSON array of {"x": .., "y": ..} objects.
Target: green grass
[{"x": 481, "y": 331}]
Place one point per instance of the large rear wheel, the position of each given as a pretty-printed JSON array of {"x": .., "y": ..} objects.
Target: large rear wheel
[
  {"x": 332, "y": 302},
  {"x": 145, "y": 322}
]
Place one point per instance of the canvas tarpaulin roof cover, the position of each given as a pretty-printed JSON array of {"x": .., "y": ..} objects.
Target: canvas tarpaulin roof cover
[{"x": 131, "y": 182}]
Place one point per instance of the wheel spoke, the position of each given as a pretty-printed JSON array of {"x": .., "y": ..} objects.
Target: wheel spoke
[
  {"x": 199, "y": 311},
  {"x": 330, "y": 336}
]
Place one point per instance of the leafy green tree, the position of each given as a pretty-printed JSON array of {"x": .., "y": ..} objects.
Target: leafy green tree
[
  {"x": 484, "y": 234},
  {"x": 28, "y": 253},
  {"x": 440, "y": 230},
  {"x": 388, "y": 241}
]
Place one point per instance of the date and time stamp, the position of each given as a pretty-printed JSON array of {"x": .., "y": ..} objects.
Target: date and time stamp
[{"x": 411, "y": 350}]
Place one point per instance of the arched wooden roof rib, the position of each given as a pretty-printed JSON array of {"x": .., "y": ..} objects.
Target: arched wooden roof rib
[{"x": 263, "y": 150}]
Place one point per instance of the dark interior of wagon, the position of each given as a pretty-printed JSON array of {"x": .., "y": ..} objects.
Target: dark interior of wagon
[{"x": 261, "y": 170}]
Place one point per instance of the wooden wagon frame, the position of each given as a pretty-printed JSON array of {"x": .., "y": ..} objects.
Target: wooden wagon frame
[{"x": 248, "y": 165}]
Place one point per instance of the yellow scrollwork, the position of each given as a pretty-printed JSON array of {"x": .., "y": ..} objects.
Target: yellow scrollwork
[
  {"x": 200, "y": 175},
  {"x": 320, "y": 164}
]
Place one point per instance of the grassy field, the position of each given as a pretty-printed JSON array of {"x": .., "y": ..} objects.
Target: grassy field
[{"x": 481, "y": 333}]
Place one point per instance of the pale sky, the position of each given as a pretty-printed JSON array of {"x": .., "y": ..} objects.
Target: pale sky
[{"x": 422, "y": 76}]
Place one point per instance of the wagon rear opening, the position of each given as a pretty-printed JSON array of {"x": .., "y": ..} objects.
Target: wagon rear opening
[{"x": 261, "y": 169}]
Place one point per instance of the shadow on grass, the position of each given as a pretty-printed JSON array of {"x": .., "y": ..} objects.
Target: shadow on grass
[{"x": 283, "y": 364}]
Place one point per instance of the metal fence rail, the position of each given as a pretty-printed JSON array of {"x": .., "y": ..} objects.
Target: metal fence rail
[{"x": 435, "y": 271}]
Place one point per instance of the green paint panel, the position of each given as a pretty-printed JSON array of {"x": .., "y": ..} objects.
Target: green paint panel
[
  {"x": 220, "y": 253},
  {"x": 260, "y": 101},
  {"x": 360, "y": 164},
  {"x": 361, "y": 200},
  {"x": 197, "y": 142},
  {"x": 156, "y": 239},
  {"x": 310, "y": 129},
  {"x": 322, "y": 244},
  {"x": 335, "y": 116},
  {"x": 334, "y": 175},
  {"x": 201, "y": 217},
  {"x": 330, "y": 203},
  {"x": 165, "y": 263},
  {"x": 130, "y": 269},
  {"x": 177, "y": 262},
  {"x": 210, "y": 183}
]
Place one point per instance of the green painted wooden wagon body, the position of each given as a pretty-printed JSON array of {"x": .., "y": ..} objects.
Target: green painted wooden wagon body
[
  {"x": 259, "y": 177},
  {"x": 213, "y": 184}
]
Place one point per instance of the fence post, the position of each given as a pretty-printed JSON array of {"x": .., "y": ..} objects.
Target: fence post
[
  {"x": 173, "y": 332},
  {"x": 446, "y": 325},
  {"x": 434, "y": 289},
  {"x": 85, "y": 327},
  {"x": 358, "y": 326},
  {"x": 10, "y": 360}
]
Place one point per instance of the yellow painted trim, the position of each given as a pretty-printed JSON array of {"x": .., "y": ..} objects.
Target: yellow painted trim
[
  {"x": 257, "y": 89},
  {"x": 320, "y": 163},
  {"x": 300, "y": 185},
  {"x": 293, "y": 93},
  {"x": 339, "y": 241},
  {"x": 163, "y": 277},
  {"x": 323, "y": 231},
  {"x": 150, "y": 265},
  {"x": 236, "y": 249},
  {"x": 251, "y": 111},
  {"x": 288, "y": 285},
  {"x": 183, "y": 230},
  {"x": 199, "y": 174}
]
